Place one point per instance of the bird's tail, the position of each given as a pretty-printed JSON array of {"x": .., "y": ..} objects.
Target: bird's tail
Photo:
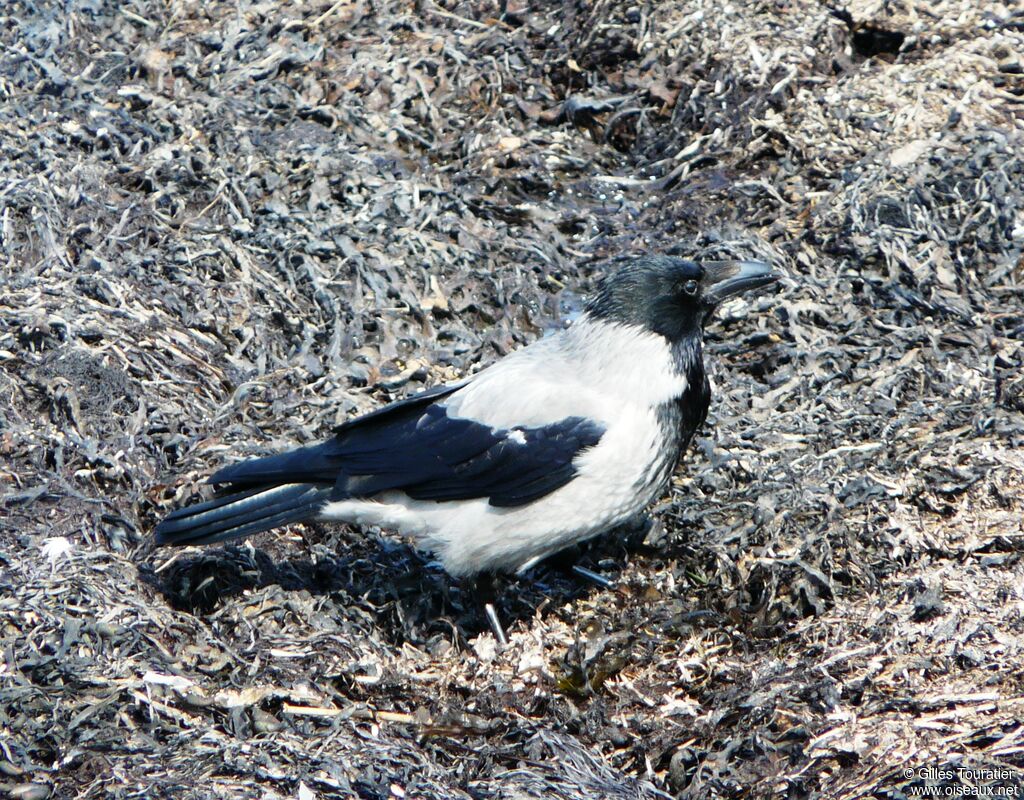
[{"x": 242, "y": 513}]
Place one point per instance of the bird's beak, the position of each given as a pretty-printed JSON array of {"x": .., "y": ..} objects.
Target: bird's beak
[{"x": 725, "y": 279}]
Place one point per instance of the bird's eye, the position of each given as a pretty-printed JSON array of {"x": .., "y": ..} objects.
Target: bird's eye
[{"x": 690, "y": 287}]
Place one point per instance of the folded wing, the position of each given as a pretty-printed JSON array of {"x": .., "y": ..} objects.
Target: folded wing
[{"x": 416, "y": 447}]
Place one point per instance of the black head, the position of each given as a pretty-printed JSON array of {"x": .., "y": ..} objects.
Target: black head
[{"x": 673, "y": 296}]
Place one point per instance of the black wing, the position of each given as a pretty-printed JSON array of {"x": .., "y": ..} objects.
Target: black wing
[
  {"x": 406, "y": 404},
  {"x": 415, "y": 447},
  {"x": 318, "y": 463}
]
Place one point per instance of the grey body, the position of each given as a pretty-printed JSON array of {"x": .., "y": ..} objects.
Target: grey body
[
  {"x": 625, "y": 378},
  {"x": 555, "y": 443}
]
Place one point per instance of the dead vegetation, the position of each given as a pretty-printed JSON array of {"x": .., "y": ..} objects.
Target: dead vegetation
[{"x": 227, "y": 226}]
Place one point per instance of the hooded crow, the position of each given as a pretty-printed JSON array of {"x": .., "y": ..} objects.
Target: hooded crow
[{"x": 553, "y": 444}]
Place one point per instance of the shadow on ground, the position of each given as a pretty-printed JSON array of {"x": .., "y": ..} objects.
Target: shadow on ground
[{"x": 411, "y": 597}]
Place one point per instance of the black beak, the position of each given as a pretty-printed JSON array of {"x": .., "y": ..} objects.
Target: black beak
[{"x": 725, "y": 279}]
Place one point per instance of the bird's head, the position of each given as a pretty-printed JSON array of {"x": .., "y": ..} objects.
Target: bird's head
[{"x": 673, "y": 296}]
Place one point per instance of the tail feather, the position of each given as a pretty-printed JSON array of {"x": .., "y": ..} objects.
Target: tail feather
[{"x": 241, "y": 514}]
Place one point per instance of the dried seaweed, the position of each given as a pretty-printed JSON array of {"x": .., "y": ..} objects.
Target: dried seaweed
[{"x": 227, "y": 226}]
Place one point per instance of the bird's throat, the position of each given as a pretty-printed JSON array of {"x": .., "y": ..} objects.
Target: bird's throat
[{"x": 691, "y": 407}]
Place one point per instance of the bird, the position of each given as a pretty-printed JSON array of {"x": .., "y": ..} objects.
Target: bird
[{"x": 553, "y": 444}]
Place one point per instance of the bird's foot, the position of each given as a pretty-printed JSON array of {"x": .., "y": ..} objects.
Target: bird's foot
[
  {"x": 644, "y": 531},
  {"x": 487, "y": 594},
  {"x": 492, "y": 618},
  {"x": 593, "y": 577}
]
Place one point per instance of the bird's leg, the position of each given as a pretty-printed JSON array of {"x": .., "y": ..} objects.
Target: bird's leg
[
  {"x": 485, "y": 590},
  {"x": 492, "y": 617},
  {"x": 643, "y": 530},
  {"x": 638, "y": 530}
]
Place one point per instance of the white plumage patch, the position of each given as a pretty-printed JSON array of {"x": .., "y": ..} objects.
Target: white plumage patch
[
  {"x": 615, "y": 375},
  {"x": 589, "y": 370}
]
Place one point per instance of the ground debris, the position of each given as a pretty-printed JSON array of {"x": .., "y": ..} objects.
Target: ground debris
[{"x": 227, "y": 227}]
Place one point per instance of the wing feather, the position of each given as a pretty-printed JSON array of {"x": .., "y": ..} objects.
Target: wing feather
[{"x": 414, "y": 446}]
